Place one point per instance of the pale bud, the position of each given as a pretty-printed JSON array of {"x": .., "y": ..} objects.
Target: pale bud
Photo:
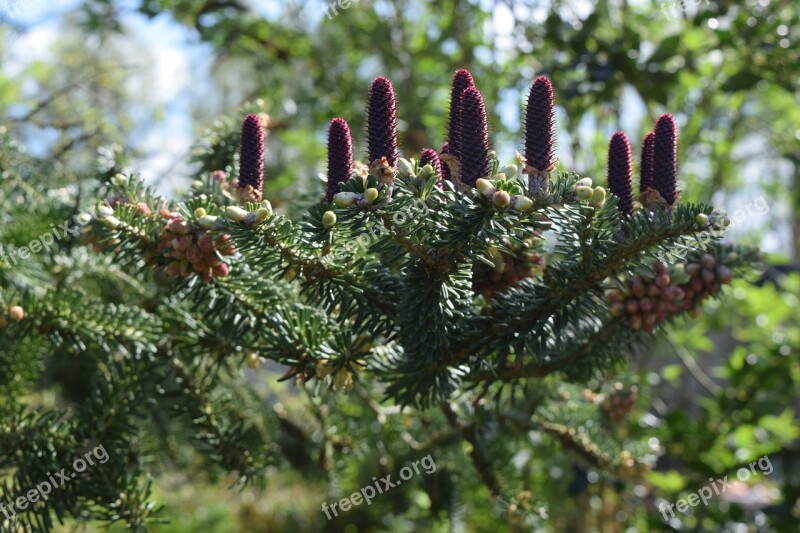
[
  {"x": 485, "y": 187},
  {"x": 371, "y": 194},
  {"x": 583, "y": 193},
  {"x": 236, "y": 214},
  {"x": 111, "y": 222},
  {"x": 584, "y": 182},
  {"x": 509, "y": 170},
  {"x": 345, "y": 199},
  {"x": 261, "y": 214},
  {"x": 501, "y": 199},
  {"x": 207, "y": 221},
  {"x": 701, "y": 219},
  {"x": 426, "y": 172},
  {"x": 598, "y": 197},
  {"x": 120, "y": 180},
  {"x": 329, "y": 219},
  {"x": 104, "y": 211},
  {"x": 404, "y": 167},
  {"x": 521, "y": 203},
  {"x": 200, "y": 212}
]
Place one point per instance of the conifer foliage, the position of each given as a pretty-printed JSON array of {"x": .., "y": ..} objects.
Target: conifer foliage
[{"x": 398, "y": 286}]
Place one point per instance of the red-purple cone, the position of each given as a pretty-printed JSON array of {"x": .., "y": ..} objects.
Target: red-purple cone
[
  {"x": 474, "y": 138},
  {"x": 251, "y": 154},
  {"x": 646, "y": 166},
  {"x": 540, "y": 125},
  {"x": 462, "y": 80},
  {"x": 619, "y": 171},
  {"x": 382, "y": 122},
  {"x": 340, "y": 156},
  {"x": 665, "y": 158},
  {"x": 430, "y": 157}
]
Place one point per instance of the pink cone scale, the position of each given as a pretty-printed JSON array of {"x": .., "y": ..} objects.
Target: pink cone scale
[
  {"x": 619, "y": 171},
  {"x": 382, "y": 122},
  {"x": 340, "y": 156}
]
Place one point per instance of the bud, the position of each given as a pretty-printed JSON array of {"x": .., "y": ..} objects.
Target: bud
[
  {"x": 509, "y": 170},
  {"x": 485, "y": 187},
  {"x": 104, "y": 211},
  {"x": 261, "y": 214},
  {"x": 500, "y": 176},
  {"x": 598, "y": 197},
  {"x": 252, "y": 360},
  {"x": 111, "y": 222},
  {"x": 584, "y": 182},
  {"x": 405, "y": 168},
  {"x": 236, "y": 214},
  {"x": 16, "y": 313},
  {"x": 200, "y": 212},
  {"x": 266, "y": 205},
  {"x": 119, "y": 180},
  {"x": 583, "y": 193},
  {"x": 329, "y": 219},
  {"x": 207, "y": 221},
  {"x": 501, "y": 199},
  {"x": 83, "y": 219},
  {"x": 701, "y": 219},
  {"x": 521, "y": 203},
  {"x": 371, "y": 194},
  {"x": 345, "y": 199},
  {"x": 426, "y": 172}
]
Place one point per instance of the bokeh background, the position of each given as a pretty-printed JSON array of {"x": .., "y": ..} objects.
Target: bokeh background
[{"x": 139, "y": 82}]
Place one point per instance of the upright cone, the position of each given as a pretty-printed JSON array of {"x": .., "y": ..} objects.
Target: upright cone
[
  {"x": 382, "y": 122},
  {"x": 619, "y": 171},
  {"x": 462, "y": 80},
  {"x": 340, "y": 156},
  {"x": 474, "y": 138},
  {"x": 646, "y": 164},
  {"x": 540, "y": 134},
  {"x": 251, "y": 159},
  {"x": 665, "y": 158}
]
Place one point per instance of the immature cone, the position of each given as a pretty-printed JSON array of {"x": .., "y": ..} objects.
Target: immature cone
[
  {"x": 665, "y": 158},
  {"x": 462, "y": 80},
  {"x": 430, "y": 157},
  {"x": 646, "y": 166},
  {"x": 619, "y": 171},
  {"x": 251, "y": 158},
  {"x": 540, "y": 125},
  {"x": 340, "y": 156},
  {"x": 382, "y": 122},
  {"x": 474, "y": 138}
]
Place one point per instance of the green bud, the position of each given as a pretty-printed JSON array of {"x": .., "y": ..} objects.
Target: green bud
[
  {"x": 598, "y": 197},
  {"x": 236, "y": 214},
  {"x": 120, "y": 180},
  {"x": 371, "y": 194},
  {"x": 583, "y": 193},
  {"x": 207, "y": 221},
  {"x": 500, "y": 176},
  {"x": 426, "y": 172},
  {"x": 261, "y": 214},
  {"x": 200, "y": 212},
  {"x": 111, "y": 222},
  {"x": 404, "y": 167},
  {"x": 329, "y": 219},
  {"x": 509, "y": 170},
  {"x": 701, "y": 219},
  {"x": 501, "y": 199},
  {"x": 345, "y": 199}
]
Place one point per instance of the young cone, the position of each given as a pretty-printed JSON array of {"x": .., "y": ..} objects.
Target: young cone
[
  {"x": 382, "y": 122},
  {"x": 462, "y": 80},
  {"x": 619, "y": 171},
  {"x": 646, "y": 165},
  {"x": 430, "y": 157},
  {"x": 540, "y": 134},
  {"x": 474, "y": 138},
  {"x": 340, "y": 156},
  {"x": 444, "y": 155},
  {"x": 665, "y": 158},
  {"x": 251, "y": 158}
]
